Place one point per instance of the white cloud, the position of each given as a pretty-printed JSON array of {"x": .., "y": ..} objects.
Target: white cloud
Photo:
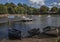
[
  {"x": 53, "y": 4},
  {"x": 38, "y": 2},
  {"x": 50, "y": 6},
  {"x": 58, "y": 3}
]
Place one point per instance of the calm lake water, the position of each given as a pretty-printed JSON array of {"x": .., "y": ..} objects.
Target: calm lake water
[{"x": 39, "y": 22}]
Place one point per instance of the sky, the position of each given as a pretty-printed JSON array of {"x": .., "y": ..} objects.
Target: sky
[{"x": 33, "y": 3}]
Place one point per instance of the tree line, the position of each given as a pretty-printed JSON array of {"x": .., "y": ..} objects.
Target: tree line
[{"x": 11, "y": 8}]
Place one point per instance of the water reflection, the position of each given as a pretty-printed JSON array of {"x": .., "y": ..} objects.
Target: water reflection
[{"x": 3, "y": 31}]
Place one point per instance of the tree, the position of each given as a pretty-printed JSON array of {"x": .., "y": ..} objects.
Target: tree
[
  {"x": 44, "y": 9},
  {"x": 30, "y": 10},
  {"x": 20, "y": 10},
  {"x": 24, "y": 5},
  {"x": 10, "y": 5},
  {"x": 35, "y": 11},
  {"x": 59, "y": 10},
  {"x": 19, "y": 4},
  {"x": 3, "y": 9},
  {"x": 54, "y": 9},
  {"x": 10, "y": 10}
]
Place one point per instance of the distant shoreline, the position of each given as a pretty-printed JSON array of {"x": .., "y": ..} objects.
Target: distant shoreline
[{"x": 5, "y": 15}]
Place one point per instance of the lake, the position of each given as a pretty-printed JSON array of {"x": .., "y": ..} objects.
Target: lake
[{"x": 40, "y": 21}]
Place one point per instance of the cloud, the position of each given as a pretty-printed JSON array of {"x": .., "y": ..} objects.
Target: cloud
[
  {"x": 50, "y": 7},
  {"x": 58, "y": 3},
  {"x": 53, "y": 4},
  {"x": 38, "y": 2}
]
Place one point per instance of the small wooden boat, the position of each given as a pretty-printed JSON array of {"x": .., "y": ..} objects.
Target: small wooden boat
[
  {"x": 54, "y": 31},
  {"x": 14, "y": 34}
]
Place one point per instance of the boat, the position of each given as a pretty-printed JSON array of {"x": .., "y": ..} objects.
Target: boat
[
  {"x": 53, "y": 31},
  {"x": 14, "y": 34},
  {"x": 26, "y": 19}
]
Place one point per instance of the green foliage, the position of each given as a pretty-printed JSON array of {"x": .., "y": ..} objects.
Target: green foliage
[
  {"x": 54, "y": 9},
  {"x": 10, "y": 5},
  {"x": 20, "y": 10},
  {"x": 3, "y": 9},
  {"x": 19, "y": 4},
  {"x": 44, "y": 9},
  {"x": 31, "y": 10},
  {"x": 59, "y": 10},
  {"x": 25, "y": 6},
  {"x": 11, "y": 8}
]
